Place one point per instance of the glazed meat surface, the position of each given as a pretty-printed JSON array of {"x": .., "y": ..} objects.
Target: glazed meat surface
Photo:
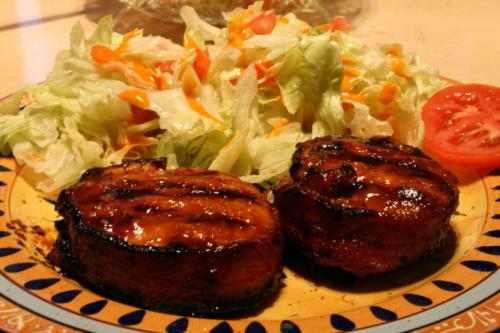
[
  {"x": 189, "y": 241},
  {"x": 365, "y": 206}
]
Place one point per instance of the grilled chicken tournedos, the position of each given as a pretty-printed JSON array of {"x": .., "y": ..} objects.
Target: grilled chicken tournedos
[
  {"x": 365, "y": 206},
  {"x": 188, "y": 241}
]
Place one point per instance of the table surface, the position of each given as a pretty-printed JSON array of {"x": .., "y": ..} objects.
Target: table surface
[{"x": 461, "y": 38}]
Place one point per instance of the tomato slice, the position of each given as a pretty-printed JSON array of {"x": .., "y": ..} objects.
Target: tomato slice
[
  {"x": 463, "y": 125},
  {"x": 263, "y": 24}
]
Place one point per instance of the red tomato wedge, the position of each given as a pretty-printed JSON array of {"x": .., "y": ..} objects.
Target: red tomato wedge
[
  {"x": 463, "y": 125},
  {"x": 202, "y": 63},
  {"x": 263, "y": 24},
  {"x": 340, "y": 23},
  {"x": 337, "y": 23}
]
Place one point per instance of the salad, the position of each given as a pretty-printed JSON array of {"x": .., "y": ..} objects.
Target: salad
[{"x": 234, "y": 99}]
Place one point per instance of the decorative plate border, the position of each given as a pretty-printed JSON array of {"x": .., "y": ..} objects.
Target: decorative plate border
[{"x": 42, "y": 291}]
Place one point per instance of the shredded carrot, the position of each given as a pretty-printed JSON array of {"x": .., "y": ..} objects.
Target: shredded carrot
[
  {"x": 388, "y": 93},
  {"x": 189, "y": 83},
  {"x": 349, "y": 75},
  {"x": 324, "y": 27},
  {"x": 278, "y": 127},
  {"x": 354, "y": 97},
  {"x": 348, "y": 61},
  {"x": 395, "y": 50},
  {"x": 102, "y": 54},
  {"x": 200, "y": 109},
  {"x": 132, "y": 140},
  {"x": 189, "y": 42},
  {"x": 399, "y": 67},
  {"x": 162, "y": 83},
  {"x": 127, "y": 38},
  {"x": 237, "y": 27},
  {"x": 283, "y": 20},
  {"x": 137, "y": 97},
  {"x": 136, "y": 73}
]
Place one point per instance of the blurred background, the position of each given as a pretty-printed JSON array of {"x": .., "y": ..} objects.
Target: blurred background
[
  {"x": 458, "y": 37},
  {"x": 160, "y": 17}
]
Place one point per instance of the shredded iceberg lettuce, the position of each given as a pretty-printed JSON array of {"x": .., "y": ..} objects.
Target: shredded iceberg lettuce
[{"x": 229, "y": 99}]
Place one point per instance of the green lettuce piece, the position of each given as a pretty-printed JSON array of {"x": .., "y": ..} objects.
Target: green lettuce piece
[
  {"x": 261, "y": 97},
  {"x": 310, "y": 78},
  {"x": 103, "y": 33}
]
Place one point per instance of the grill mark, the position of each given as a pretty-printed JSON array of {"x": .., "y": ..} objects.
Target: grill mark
[
  {"x": 348, "y": 155},
  {"x": 332, "y": 208},
  {"x": 398, "y": 193},
  {"x": 410, "y": 165},
  {"x": 338, "y": 210},
  {"x": 224, "y": 194},
  {"x": 189, "y": 217},
  {"x": 229, "y": 220},
  {"x": 370, "y": 160},
  {"x": 329, "y": 146},
  {"x": 203, "y": 173},
  {"x": 380, "y": 141},
  {"x": 191, "y": 190}
]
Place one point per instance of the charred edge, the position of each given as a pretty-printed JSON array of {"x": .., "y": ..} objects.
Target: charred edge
[
  {"x": 346, "y": 170},
  {"x": 50, "y": 201},
  {"x": 62, "y": 202},
  {"x": 60, "y": 255},
  {"x": 383, "y": 141},
  {"x": 253, "y": 300},
  {"x": 299, "y": 151},
  {"x": 390, "y": 143},
  {"x": 60, "y": 225},
  {"x": 316, "y": 145},
  {"x": 296, "y": 165},
  {"x": 158, "y": 163}
]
